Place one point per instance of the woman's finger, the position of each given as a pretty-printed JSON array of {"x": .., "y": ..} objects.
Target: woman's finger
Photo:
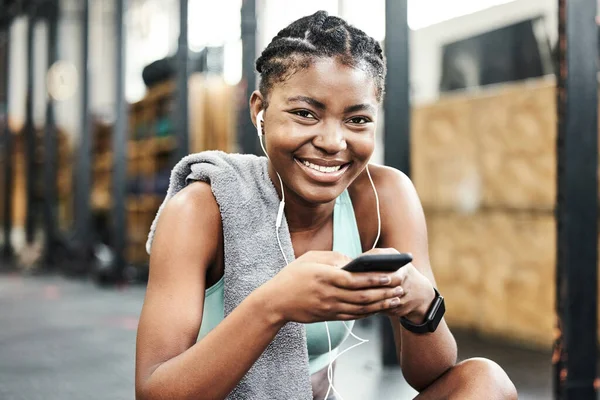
[
  {"x": 361, "y": 280},
  {"x": 367, "y": 309},
  {"x": 399, "y": 311},
  {"x": 365, "y": 280},
  {"x": 348, "y": 317},
  {"x": 368, "y": 296}
]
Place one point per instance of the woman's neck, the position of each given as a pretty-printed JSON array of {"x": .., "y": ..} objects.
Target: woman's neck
[{"x": 300, "y": 215}]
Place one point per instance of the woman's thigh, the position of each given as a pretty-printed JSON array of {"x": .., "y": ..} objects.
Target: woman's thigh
[{"x": 476, "y": 378}]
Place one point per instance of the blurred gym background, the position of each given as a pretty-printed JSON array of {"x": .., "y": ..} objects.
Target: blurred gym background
[{"x": 491, "y": 108}]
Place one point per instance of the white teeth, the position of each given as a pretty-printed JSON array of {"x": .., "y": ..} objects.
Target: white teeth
[{"x": 321, "y": 168}]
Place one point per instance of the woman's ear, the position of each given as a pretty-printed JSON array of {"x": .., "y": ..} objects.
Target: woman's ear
[{"x": 256, "y": 105}]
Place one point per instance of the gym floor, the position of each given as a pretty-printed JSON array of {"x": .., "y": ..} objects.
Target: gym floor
[{"x": 64, "y": 339}]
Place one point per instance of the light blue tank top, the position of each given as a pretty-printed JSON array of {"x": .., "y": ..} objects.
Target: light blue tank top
[{"x": 346, "y": 240}]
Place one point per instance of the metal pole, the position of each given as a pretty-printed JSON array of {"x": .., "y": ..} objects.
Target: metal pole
[
  {"x": 183, "y": 72},
  {"x": 575, "y": 349},
  {"x": 397, "y": 98},
  {"x": 120, "y": 147},
  {"x": 246, "y": 131},
  {"x": 7, "y": 191},
  {"x": 83, "y": 225},
  {"x": 51, "y": 145},
  {"x": 30, "y": 138},
  {"x": 396, "y": 117}
]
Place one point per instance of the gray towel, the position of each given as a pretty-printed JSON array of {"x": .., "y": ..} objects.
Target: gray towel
[{"x": 249, "y": 203}]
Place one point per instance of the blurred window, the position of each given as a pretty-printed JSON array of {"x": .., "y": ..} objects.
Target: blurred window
[{"x": 422, "y": 13}]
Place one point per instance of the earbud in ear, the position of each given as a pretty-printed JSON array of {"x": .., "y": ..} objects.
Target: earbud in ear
[
  {"x": 259, "y": 120},
  {"x": 259, "y": 131}
]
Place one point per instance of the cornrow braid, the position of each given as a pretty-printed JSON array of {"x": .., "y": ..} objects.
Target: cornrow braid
[{"x": 319, "y": 36}]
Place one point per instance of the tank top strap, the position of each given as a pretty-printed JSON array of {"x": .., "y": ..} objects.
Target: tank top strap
[{"x": 346, "y": 237}]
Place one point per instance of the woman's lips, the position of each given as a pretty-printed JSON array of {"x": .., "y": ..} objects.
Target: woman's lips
[{"x": 320, "y": 176}]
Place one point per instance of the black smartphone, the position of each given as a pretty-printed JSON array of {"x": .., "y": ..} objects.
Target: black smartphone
[{"x": 378, "y": 262}]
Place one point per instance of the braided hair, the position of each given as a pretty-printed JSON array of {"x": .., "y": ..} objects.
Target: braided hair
[{"x": 319, "y": 36}]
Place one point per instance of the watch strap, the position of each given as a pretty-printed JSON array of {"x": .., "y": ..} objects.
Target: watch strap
[{"x": 434, "y": 315}]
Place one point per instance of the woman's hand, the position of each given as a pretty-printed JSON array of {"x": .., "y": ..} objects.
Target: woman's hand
[
  {"x": 314, "y": 288},
  {"x": 416, "y": 291}
]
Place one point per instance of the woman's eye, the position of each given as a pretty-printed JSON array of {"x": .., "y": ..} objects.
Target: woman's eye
[
  {"x": 359, "y": 120},
  {"x": 304, "y": 114}
]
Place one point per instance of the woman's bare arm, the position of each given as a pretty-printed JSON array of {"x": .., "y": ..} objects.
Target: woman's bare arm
[
  {"x": 423, "y": 357},
  {"x": 169, "y": 362}
]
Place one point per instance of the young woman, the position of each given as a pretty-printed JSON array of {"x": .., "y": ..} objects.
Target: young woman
[{"x": 322, "y": 81}]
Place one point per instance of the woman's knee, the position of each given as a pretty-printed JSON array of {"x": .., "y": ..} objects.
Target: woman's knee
[{"x": 487, "y": 376}]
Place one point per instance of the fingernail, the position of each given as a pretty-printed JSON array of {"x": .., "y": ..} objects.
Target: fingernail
[
  {"x": 385, "y": 280},
  {"x": 398, "y": 291},
  {"x": 395, "y": 302}
]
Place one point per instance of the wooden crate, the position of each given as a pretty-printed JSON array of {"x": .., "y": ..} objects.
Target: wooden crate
[
  {"x": 516, "y": 133},
  {"x": 518, "y": 180},
  {"x": 455, "y": 259},
  {"x": 497, "y": 272},
  {"x": 492, "y": 149},
  {"x": 444, "y": 155},
  {"x": 516, "y": 118}
]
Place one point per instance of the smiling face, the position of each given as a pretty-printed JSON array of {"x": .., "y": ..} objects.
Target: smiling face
[{"x": 319, "y": 128}]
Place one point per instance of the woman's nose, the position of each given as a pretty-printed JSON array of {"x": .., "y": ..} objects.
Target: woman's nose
[{"x": 331, "y": 140}]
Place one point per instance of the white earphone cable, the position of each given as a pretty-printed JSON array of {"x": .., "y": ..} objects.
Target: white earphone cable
[
  {"x": 259, "y": 121},
  {"x": 361, "y": 341},
  {"x": 378, "y": 211}
]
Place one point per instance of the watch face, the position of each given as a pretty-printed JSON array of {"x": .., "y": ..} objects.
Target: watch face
[
  {"x": 437, "y": 314},
  {"x": 434, "y": 309}
]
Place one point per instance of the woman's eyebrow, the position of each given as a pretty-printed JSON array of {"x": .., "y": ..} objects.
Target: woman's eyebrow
[
  {"x": 317, "y": 104},
  {"x": 309, "y": 100},
  {"x": 360, "y": 107}
]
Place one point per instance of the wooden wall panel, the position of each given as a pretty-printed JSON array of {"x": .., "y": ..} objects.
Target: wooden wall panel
[
  {"x": 493, "y": 149},
  {"x": 484, "y": 164},
  {"x": 496, "y": 270},
  {"x": 444, "y": 153}
]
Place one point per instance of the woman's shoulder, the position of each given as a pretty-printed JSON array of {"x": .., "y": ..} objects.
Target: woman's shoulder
[
  {"x": 190, "y": 217},
  {"x": 397, "y": 197},
  {"x": 192, "y": 194},
  {"x": 392, "y": 185},
  {"x": 390, "y": 181},
  {"x": 195, "y": 202}
]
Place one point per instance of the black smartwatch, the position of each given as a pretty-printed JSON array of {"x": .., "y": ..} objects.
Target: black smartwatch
[{"x": 432, "y": 318}]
